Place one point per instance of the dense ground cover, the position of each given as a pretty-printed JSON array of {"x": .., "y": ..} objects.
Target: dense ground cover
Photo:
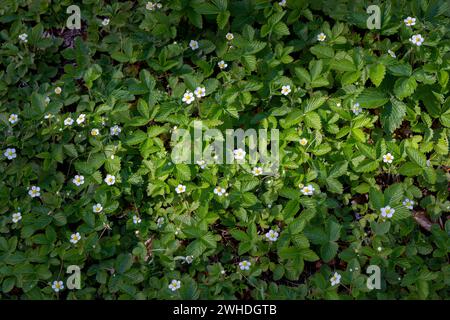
[{"x": 86, "y": 177}]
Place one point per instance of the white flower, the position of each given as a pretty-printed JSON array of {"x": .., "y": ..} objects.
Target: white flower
[
  {"x": 239, "y": 154},
  {"x": 97, "y": 208},
  {"x": 13, "y": 118},
  {"x": 379, "y": 249},
  {"x": 408, "y": 203},
  {"x": 189, "y": 259},
  {"x": 392, "y": 53},
  {"x": 58, "y": 90},
  {"x": 219, "y": 191},
  {"x": 410, "y": 21},
  {"x": 34, "y": 191},
  {"x": 272, "y": 235},
  {"x": 303, "y": 142},
  {"x": 175, "y": 285},
  {"x": 257, "y": 171},
  {"x": 78, "y": 180},
  {"x": 68, "y": 121},
  {"x": 188, "y": 97},
  {"x": 222, "y": 64},
  {"x": 16, "y": 217},
  {"x": 417, "y": 40},
  {"x": 114, "y": 131},
  {"x": 308, "y": 190},
  {"x": 180, "y": 189},
  {"x": 202, "y": 163},
  {"x": 95, "y": 132},
  {"x": 47, "y": 100},
  {"x": 321, "y": 36},
  {"x": 48, "y": 116},
  {"x": 282, "y": 3},
  {"x": 356, "y": 108},
  {"x": 81, "y": 118},
  {"x": 159, "y": 5},
  {"x": 57, "y": 286},
  {"x": 244, "y": 265},
  {"x": 387, "y": 158},
  {"x": 136, "y": 220},
  {"x": 193, "y": 44},
  {"x": 23, "y": 37},
  {"x": 105, "y": 22},
  {"x": 110, "y": 179},
  {"x": 387, "y": 212},
  {"x": 229, "y": 36},
  {"x": 285, "y": 90},
  {"x": 335, "y": 279},
  {"x": 150, "y": 6},
  {"x": 160, "y": 222},
  {"x": 74, "y": 238},
  {"x": 200, "y": 92},
  {"x": 10, "y": 153}
]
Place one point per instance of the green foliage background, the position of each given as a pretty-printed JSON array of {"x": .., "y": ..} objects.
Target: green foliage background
[{"x": 134, "y": 72}]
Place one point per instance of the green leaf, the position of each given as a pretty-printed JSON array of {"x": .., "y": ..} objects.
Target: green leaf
[
  {"x": 404, "y": 87},
  {"x": 372, "y": 98},
  {"x": 393, "y": 115},
  {"x": 416, "y": 156},
  {"x": 376, "y": 73}
]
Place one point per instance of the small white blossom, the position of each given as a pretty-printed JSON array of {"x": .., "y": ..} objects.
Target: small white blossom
[
  {"x": 16, "y": 217},
  {"x": 308, "y": 190},
  {"x": 392, "y": 53},
  {"x": 356, "y": 108},
  {"x": 188, "y": 97},
  {"x": 110, "y": 179},
  {"x": 48, "y": 116},
  {"x": 160, "y": 222},
  {"x": 105, "y": 22},
  {"x": 78, "y": 180},
  {"x": 282, "y": 3},
  {"x": 34, "y": 191},
  {"x": 285, "y": 90},
  {"x": 136, "y": 220},
  {"x": 68, "y": 121},
  {"x": 335, "y": 279},
  {"x": 74, "y": 238},
  {"x": 379, "y": 249},
  {"x": 81, "y": 118},
  {"x": 115, "y": 130},
  {"x": 387, "y": 212},
  {"x": 219, "y": 191},
  {"x": 97, "y": 208},
  {"x": 239, "y": 154},
  {"x": 388, "y": 158},
  {"x": 272, "y": 235},
  {"x": 175, "y": 285},
  {"x": 222, "y": 65},
  {"x": 408, "y": 203},
  {"x": 23, "y": 37},
  {"x": 95, "y": 132},
  {"x": 244, "y": 265},
  {"x": 410, "y": 21},
  {"x": 229, "y": 36},
  {"x": 321, "y": 36},
  {"x": 193, "y": 44},
  {"x": 257, "y": 171},
  {"x": 13, "y": 118},
  {"x": 200, "y": 92},
  {"x": 303, "y": 142},
  {"x": 189, "y": 259},
  {"x": 10, "y": 153},
  {"x": 57, "y": 286},
  {"x": 180, "y": 189},
  {"x": 417, "y": 40},
  {"x": 47, "y": 100},
  {"x": 58, "y": 90},
  {"x": 202, "y": 163}
]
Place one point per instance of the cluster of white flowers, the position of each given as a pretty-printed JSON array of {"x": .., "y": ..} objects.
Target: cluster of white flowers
[
  {"x": 23, "y": 37},
  {"x": 272, "y": 235},
  {"x": 388, "y": 158},
  {"x": 74, "y": 238},
  {"x": 16, "y": 217},
  {"x": 222, "y": 65},
  {"x": 356, "y": 108},
  {"x": 335, "y": 279},
  {"x": 219, "y": 191},
  {"x": 175, "y": 285},
  {"x": 153, "y": 6},
  {"x": 97, "y": 208},
  {"x": 13, "y": 118},
  {"x": 180, "y": 189},
  {"x": 10, "y": 153},
  {"x": 34, "y": 191},
  {"x": 57, "y": 286},
  {"x": 239, "y": 154},
  {"x": 307, "y": 190},
  {"x": 285, "y": 90},
  {"x": 110, "y": 179},
  {"x": 387, "y": 212},
  {"x": 188, "y": 97},
  {"x": 244, "y": 265},
  {"x": 321, "y": 36},
  {"x": 78, "y": 180},
  {"x": 408, "y": 203}
]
